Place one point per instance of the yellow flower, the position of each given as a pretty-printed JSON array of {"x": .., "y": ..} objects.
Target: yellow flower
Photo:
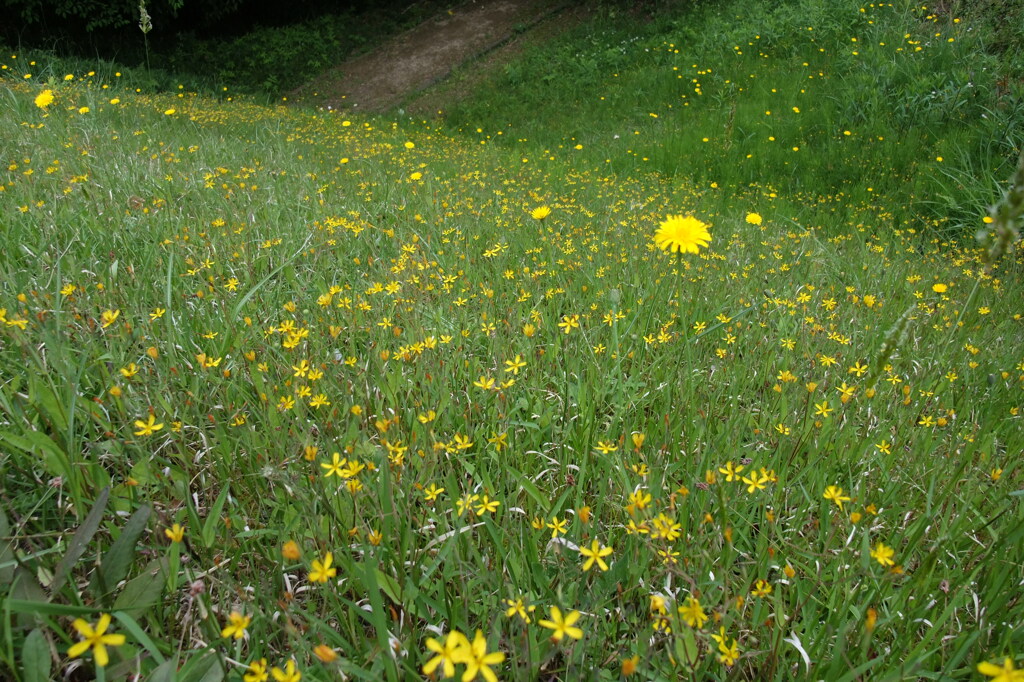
[
  {"x": 322, "y": 571},
  {"x": 692, "y": 613},
  {"x": 477, "y": 659},
  {"x": 732, "y": 473},
  {"x": 44, "y": 99},
  {"x": 324, "y": 653},
  {"x": 562, "y": 626},
  {"x": 175, "y": 533},
  {"x": 486, "y": 383},
  {"x": 169, "y": 112},
  {"x": 835, "y": 493},
  {"x": 257, "y": 671},
  {"x": 540, "y": 213},
  {"x": 940, "y": 288},
  {"x": 454, "y": 650},
  {"x": 95, "y": 639},
  {"x": 516, "y": 607},
  {"x": 147, "y": 428},
  {"x": 237, "y": 623},
  {"x": 289, "y": 674},
  {"x": 557, "y": 527},
  {"x": 290, "y": 550},
  {"x": 83, "y": 110},
  {"x": 486, "y": 504},
  {"x": 595, "y": 554},
  {"x": 336, "y": 467},
  {"x": 680, "y": 234},
  {"x": 515, "y": 365},
  {"x": 1006, "y": 673},
  {"x": 883, "y": 554},
  {"x": 753, "y": 219},
  {"x": 109, "y": 317}
]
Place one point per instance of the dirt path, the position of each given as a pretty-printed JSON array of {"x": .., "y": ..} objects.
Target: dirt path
[{"x": 424, "y": 55}]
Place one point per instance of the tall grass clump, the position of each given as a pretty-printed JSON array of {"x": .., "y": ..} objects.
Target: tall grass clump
[{"x": 295, "y": 394}]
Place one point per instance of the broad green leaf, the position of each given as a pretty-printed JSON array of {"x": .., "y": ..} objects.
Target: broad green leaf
[
  {"x": 43, "y": 398},
  {"x": 166, "y": 671},
  {"x": 26, "y": 589},
  {"x": 80, "y": 540},
  {"x": 35, "y": 657},
  {"x": 143, "y": 590},
  {"x": 54, "y": 460},
  {"x": 389, "y": 586},
  {"x": 686, "y": 647},
  {"x": 379, "y": 618},
  {"x": 209, "y": 531},
  {"x": 205, "y": 667},
  {"x": 116, "y": 561}
]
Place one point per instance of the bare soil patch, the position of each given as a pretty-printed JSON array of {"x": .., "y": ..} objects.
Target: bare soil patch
[{"x": 425, "y": 55}]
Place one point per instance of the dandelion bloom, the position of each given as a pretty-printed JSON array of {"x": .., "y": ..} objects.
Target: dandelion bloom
[
  {"x": 95, "y": 639},
  {"x": 44, "y": 99},
  {"x": 682, "y": 234},
  {"x": 753, "y": 218},
  {"x": 540, "y": 213},
  {"x": 883, "y": 554}
]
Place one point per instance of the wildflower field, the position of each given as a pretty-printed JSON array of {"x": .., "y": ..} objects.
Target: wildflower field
[{"x": 289, "y": 393}]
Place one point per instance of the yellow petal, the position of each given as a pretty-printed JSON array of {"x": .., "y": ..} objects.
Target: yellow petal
[{"x": 78, "y": 649}]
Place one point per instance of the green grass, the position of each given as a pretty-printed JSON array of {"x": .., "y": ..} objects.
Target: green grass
[
  {"x": 848, "y": 99},
  {"x": 272, "y": 286}
]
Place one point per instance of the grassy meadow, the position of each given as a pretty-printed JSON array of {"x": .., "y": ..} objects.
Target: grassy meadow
[{"x": 289, "y": 393}]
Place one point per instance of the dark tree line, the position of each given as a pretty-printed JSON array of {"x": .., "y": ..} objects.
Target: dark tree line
[{"x": 96, "y": 21}]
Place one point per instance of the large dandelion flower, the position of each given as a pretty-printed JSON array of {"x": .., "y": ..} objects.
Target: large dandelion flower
[
  {"x": 680, "y": 234},
  {"x": 44, "y": 99}
]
